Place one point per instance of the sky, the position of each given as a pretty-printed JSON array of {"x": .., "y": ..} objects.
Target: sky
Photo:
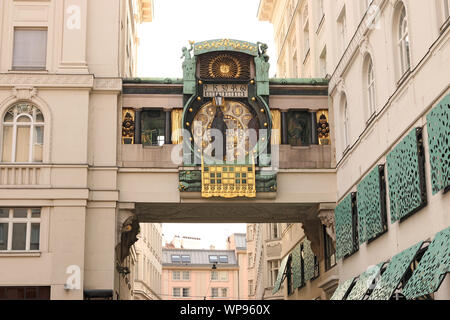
[{"x": 175, "y": 23}]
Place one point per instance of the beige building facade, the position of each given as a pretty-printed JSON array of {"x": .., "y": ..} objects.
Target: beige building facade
[
  {"x": 60, "y": 83},
  {"x": 388, "y": 71}
]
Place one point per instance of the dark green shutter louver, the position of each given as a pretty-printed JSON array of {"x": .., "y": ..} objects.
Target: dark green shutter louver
[
  {"x": 438, "y": 124},
  {"x": 308, "y": 260},
  {"x": 406, "y": 176},
  {"x": 281, "y": 273},
  {"x": 364, "y": 282},
  {"x": 432, "y": 269},
  {"x": 296, "y": 267},
  {"x": 372, "y": 205},
  {"x": 395, "y": 271},
  {"x": 343, "y": 220},
  {"x": 342, "y": 289}
]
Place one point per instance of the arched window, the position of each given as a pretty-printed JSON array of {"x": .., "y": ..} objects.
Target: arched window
[
  {"x": 345, "y": 121},
  {"x": 370, "y": 86},
  {"x": 23, "y": 134},
  {"x": 403, "y": 41}
]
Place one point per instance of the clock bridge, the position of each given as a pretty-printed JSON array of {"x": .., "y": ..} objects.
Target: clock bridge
[{"x": 170, "y": 169}]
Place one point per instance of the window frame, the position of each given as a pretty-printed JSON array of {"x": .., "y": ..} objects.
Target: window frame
[
  {"x": 403, "y": 41},
  {"x": 29, "y": 221},
  {"x": 32, "y": 114},
  {"x": 25, "y": 68}
]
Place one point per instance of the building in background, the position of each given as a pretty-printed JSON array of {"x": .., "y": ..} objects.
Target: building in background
[
  {"x": 389, "y": 119},
  {"x": 184, "y": 242},
  {"x": 61, "y": 69},
  {"x": 192, "y": 274},
  {"x": 238, "y": 243}
]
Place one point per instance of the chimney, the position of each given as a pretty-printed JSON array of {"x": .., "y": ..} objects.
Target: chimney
[{"x": 212, "y": 247}]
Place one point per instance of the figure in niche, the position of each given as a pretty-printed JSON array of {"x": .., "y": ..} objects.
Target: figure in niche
[
  {"x": 219, "y": 124},
  {"x": 298, "y": 129},
  {"x": 323, "y": 130}
]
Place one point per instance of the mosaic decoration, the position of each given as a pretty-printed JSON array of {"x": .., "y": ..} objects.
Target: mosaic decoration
[
  {"x": 225, "y": 45},
  {"x": 405, "y": 167},
  {"x": 342, "y": 290},
  {"x": 228, "y": 181},
  {"x": 438, "y": 124},
  {"x": 281, "y": 272},
  {"x": 433, "y": 267},
  {"x": 297, "y": 267},
  {"x": 371, "y": 206},
  {"x": 343, "y": 220},
  {"x": 364, "y": 282},
  {"x": 394, "y": 273},
  {"x": 308, "y": 258}
]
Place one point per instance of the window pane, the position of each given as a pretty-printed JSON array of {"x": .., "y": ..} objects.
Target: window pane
[
  {"x": 20, "y": 213},
  {"x": 35, "y": 213},
  {"x": 30, "y": 49},
  {"x": 223, "y": 259},
  {"x": 176, "y": 259},
  {"x": 19, "y": 236},
  {"x": 186, "y": 275},
  {"x": 38, "y": 138},
  {"x": 7, "y": 144},
  {"x": 153, "y": 127},
  {"x": 4, "y": 213},
  {"x": 23, "y": 144},
  {"x": 24, "y": 119},
  {"x": 299, "y": 128},
  {"x": 3, "y": 236},
  {"x": 35, "y": 236},
  {"x": 31, "y": 293},
  {"x": 213, "y": 259}
]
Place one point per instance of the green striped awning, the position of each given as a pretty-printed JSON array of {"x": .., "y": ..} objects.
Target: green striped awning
[
  {"x": 395, "y": 271},
  {"x": 364, "y": 282},
  {"x": 432, "y": 269},
  {"x": 342, "y": 290},
  {"x": 281, "y": 273}
]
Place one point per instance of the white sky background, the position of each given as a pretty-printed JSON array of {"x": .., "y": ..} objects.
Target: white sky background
[{"x": 175, "y": 23}]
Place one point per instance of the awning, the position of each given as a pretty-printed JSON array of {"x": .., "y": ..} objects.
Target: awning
[
  {"x": 342, "y": 290},
  {"x": 281, "y": 274},
  {"x": 364, "y": 282},
  {"x": 432, "y": 269},
  {"x": 395, "y": 271}
]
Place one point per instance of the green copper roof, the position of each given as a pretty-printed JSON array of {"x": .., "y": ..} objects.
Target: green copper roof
[
  {"x": 225, "y": 45},
  {"x": 298, "y": 81},
  {"x": 432, "y": 269},
  {"x": 153, "y": 81},
  {"x": 396, "y": 269},
  {"x": 342, "y": 290}
]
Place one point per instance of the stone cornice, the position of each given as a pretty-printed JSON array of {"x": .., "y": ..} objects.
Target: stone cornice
[{"x": 46, "y": 80}]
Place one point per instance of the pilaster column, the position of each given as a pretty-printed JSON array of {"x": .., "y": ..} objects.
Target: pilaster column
[
  {"x": 284, "y": 127},
  {"x": 137, "y": 126},
  {"x": 74, "y": 37},
  {"x": 168, "y": 129}
]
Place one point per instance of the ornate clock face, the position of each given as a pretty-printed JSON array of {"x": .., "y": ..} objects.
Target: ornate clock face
[{"x": 237, "y": 117}]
